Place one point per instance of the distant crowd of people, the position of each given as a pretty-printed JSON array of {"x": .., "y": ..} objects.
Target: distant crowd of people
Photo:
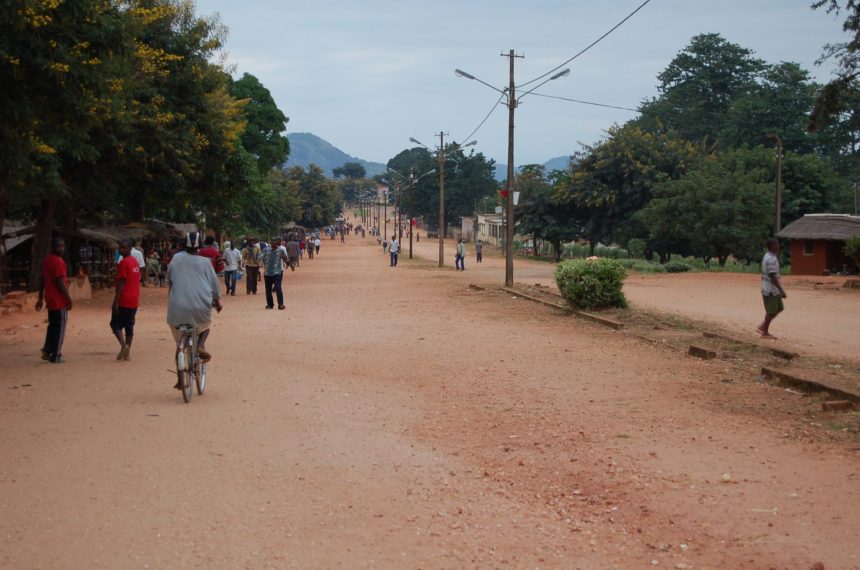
[{"x": 190, "y": 269}]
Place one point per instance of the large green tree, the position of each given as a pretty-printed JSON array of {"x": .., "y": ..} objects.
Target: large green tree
[{"x": 264, "y": 134}]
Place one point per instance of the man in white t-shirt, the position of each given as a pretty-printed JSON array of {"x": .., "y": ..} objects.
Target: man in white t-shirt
[
  {"x": 393, "y": 250},
  {"x": 771, "y": 288},
  {"x": 137, "y": 254}
]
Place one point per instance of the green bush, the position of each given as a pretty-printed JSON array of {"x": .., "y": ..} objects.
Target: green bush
[
  {"x": 636, "y": 248},
  {"x": 601, "y": 251},
  {"x": 648, "y": 267},
  {"x": 677, "y": 267},
  {"x": 592, "y": 284},
  {"x": 852, "y": 249}
]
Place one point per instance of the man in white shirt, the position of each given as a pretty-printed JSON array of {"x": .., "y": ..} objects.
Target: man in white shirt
[
  {"x": 771, "y": 288},
  {"x": 393, "y": 250},
  {"x": 137, "y": 254},
  {"x": 232, "y": 265}
]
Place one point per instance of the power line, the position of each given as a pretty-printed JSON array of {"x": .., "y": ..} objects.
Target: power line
[
  {"x": 589, "y": 46},
  {"x": 484, "y": 120},
  {"x": 587, "y": 102}
]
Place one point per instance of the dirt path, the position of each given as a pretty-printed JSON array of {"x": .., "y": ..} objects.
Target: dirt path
[
  {"x": 392, "y": 418},
  {"x": 821, "y": 318}
]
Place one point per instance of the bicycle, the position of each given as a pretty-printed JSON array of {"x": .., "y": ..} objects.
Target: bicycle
[{"x": 190, "y": 369}]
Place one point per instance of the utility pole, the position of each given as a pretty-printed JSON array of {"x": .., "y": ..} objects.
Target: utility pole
[
  {"x": 778, "y": 217},
  {"x": 509, "y": 228},
  {"x": 411, "y": 197},
  {"x": 442, "y": 199},
  {"x": 385, "y": 213}
]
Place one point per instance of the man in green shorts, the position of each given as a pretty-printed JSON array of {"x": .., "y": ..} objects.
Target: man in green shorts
[{"x": 771, "y": 288}]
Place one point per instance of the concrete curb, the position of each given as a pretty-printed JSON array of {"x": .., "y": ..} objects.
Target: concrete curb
[
  {"x": 701, "y": 352},
  {"x": 787, "y": 379},
  {"x": 535, "y": 299}
]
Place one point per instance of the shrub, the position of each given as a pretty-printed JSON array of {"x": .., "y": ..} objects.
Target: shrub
[
  {"x": 648, "y": 267},
  {"x": 601, "y": 251},
  {"x": 636, "y": 248},
  {"x": 852, "y": 249},
  {"x": 677, "y": 267},
  {"x": 592, "y": 284}
]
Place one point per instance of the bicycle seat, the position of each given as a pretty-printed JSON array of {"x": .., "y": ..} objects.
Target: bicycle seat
[{"x": 185, "y": 328}]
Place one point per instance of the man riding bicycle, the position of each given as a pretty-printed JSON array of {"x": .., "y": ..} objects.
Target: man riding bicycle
[{"x": 194, "y": 290}]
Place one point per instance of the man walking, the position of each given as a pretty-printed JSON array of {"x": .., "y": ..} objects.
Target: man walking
[
  {"x": 232, "y": 264},
  {"x": 54, "y": 294},
  {"x": 293, "y": 253},
  {"x": 126, "y": 300},
  {"x": 211, "y": 252},
  {"x": 771, "y": 288},
  {"x": 479, "y": 251},
  {"x": 393, "y": 250},
  {"x": 317, "y": 243},
  {"x": 251, "y": 259},
  {"x": 137, "y": 253},
  {"x": 460, "y": 256},
  {"x": 193, "y": 291},
  {"x": 273, "y": 258}
]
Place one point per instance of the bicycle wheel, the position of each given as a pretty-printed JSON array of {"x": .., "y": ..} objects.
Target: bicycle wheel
[
  {"x": 185, "y": 376},
  {"x": 200, "y": 376}
]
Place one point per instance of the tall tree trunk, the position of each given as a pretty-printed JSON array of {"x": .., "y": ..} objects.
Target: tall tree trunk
[
  {"x": 41, "y": 240},
  {"x": 556, "y": 246},
  {"x": 3, "y": 202}
]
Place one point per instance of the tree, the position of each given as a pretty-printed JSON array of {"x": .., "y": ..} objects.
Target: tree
[
  {"x": 721, "y": 207},
  {"x": 320, "y": 199},
  {"x": 540, "y": 213},
  {"x": 779, "y": 103},
  {"x": 833, "y": 99},
  {"x": 615, "y": 179},
  {"x": 700, "y": 87},
  {"x": 263, "y": 136},
  {"x": 353, "y": 170}
]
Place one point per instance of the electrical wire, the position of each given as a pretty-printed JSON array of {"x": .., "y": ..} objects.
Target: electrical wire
[
  {"x": 589, "y": 46},
  {"x": 587, "y": 102},
  {"x": 485, "y": 119}
]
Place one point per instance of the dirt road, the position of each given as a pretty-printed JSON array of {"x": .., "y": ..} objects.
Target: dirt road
[
  {"x": 394, "y": 418},
  {"x": 821, "y": 317}
]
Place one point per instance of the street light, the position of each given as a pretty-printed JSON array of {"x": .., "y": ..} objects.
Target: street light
[
  {"x": 512, "y": 104},
  {"x": 441, "y": 155}
]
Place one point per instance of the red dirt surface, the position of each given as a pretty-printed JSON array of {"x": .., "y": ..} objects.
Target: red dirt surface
[{"x": 394, "y": 418}]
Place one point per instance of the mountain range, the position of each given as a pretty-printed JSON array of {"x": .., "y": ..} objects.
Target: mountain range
[{"x": 307, "y": 149}]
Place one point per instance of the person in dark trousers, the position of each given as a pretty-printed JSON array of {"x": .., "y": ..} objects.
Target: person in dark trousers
[
  {"x": 274, "y": 258},
  {"x": 479, "y": 251},
  {"x": 251, "y": 259},
  {"x": 54, "y": 294},
  {"x": 460, "y": 257},
  {"x": 126, "y": 300},
  {"x": 771, "y": 288},
  {"x": 393, "y": 250}
]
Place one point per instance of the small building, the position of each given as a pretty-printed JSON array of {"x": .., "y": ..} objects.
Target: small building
[
  {"x": 817, "y": 242},
  {"x": 491, "y": 229},
  {"x": 467, "y": 228}
]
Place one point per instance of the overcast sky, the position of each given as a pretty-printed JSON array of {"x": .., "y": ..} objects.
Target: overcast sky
[{"x": 368, "y": 74}]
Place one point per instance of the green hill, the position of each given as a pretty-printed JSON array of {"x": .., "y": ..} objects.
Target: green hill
[{"x": 307, "y": 148}]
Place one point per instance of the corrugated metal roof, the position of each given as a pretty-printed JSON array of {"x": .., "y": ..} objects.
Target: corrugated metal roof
[{"x": 833, "y": 227}]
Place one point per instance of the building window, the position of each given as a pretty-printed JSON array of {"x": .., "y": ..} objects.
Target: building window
[{"x": 808, "y": 247}]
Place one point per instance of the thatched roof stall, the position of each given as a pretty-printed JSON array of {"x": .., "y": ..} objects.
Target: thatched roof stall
[
  {"x": 817, "y": 242},
  {"x": 830, "y": 227}
]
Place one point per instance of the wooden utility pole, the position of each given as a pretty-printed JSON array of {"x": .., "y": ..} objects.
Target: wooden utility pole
[
  {"x": 778, "y": 214},
  {"x": 442, "y": 199},
  {"x": 509, "y": 209},
  {"x": 411, "y": 199}
]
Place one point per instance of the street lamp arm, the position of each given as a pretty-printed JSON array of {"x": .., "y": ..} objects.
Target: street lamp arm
[
  {"x": 563, "y": 73},
  {"x": 461, "y": 73}
]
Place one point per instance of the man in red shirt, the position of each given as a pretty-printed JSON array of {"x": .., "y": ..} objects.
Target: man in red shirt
[
  {"x": 54, "y": 294},
  {"x": 126, "y": 300},
  {"x": 210, "y": 250}
]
